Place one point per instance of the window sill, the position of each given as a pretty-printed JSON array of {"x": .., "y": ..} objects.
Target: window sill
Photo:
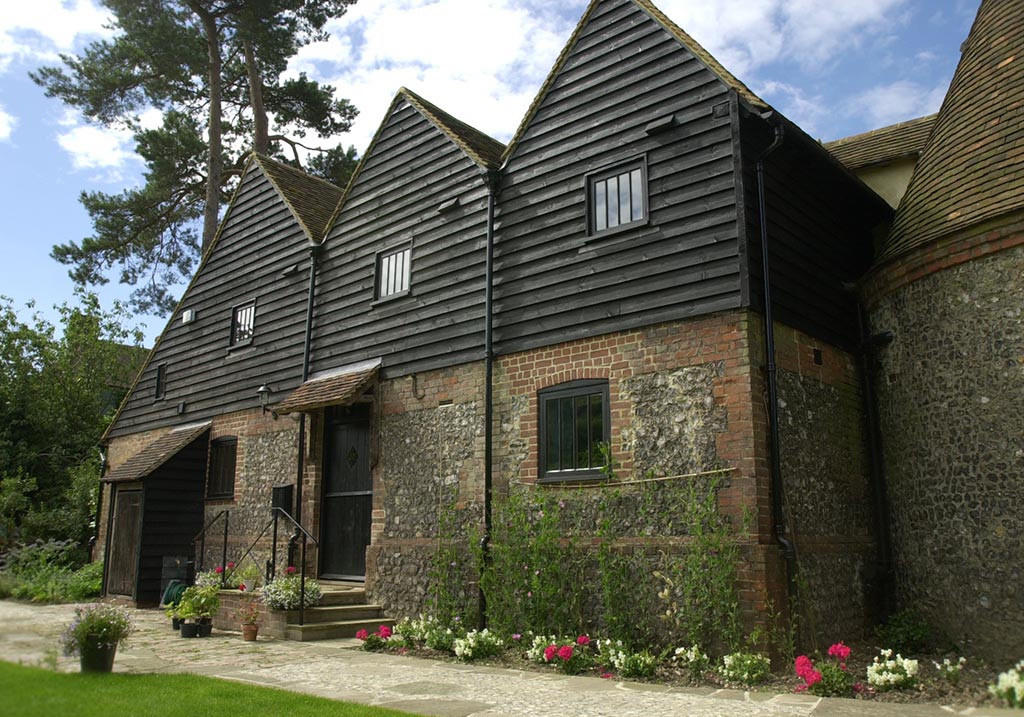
[
  {"x": 619, "y": 235},
  {"x": 390, "y": 298},
  {"x": 571, "y": 477}
]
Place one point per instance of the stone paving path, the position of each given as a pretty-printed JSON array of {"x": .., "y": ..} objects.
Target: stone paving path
[{"x": 338, "y": 669}]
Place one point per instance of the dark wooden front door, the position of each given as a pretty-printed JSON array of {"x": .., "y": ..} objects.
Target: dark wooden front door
[
  {"x": 122, "y": 569},
  {"x": 347, "y": 502}
]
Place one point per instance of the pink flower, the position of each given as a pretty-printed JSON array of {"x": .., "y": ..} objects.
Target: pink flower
[
  {"x": 803, "y": 666},
  {"x": 801, "y": 688},
  {"x": 583, "y": 640},
  {"x": 812, "y": 678},
  {"x": 549, "y": 653},
  {"x": 362, "y": 635},
  {"x": 231, "y": 566},
  {"x": 241, "y": 587},
  {"x": 565, "y": 653},
  {"x": 607, "y": 675},
  {"x": 290, "y": 570},
  {"x": 858, "y": 688},
  {"x": 839, "y": 650},
  {"x": 529, "y": 594},
  {"x": 517, "y": 637},
  {"x": 219, "y": 569},
  {"x": 384, "y": 632}
]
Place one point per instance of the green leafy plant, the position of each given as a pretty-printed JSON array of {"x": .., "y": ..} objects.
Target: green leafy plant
[
  {"x": 1009, "y": 686},
  {"x": 745, "y": 668},
  {"x": 98, "y": 625},
  {"x": 285, "y": 592},
  {"x": 478, "y": 644},
  {"x": 905, "y": 631}
]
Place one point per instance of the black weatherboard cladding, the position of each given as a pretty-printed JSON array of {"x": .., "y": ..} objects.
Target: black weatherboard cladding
[
  {"x": 554, "y": 283},
  {"x": 410, "y": 170},
  {"x": 260, "y": 238}
]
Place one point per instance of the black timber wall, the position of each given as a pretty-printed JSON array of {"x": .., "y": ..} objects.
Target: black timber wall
[
  {"x": 821, "y": 223},
  {"x": 172, "y": 514},
  {"x": 410, "y": 170},
  {"x": 553, "y": 282},
  {"x": 259, "y": 240}
]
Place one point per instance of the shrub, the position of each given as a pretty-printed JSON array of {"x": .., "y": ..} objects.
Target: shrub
[
  {"x": 477, "y": 644},
  {"x": 745, "y": 668},
  {"x": 97, "y": 625},
  {"x": 1009, "y": 686},
  {"x": 692, "y": 659},
  {"x": 832, "y": 680},
  {"x": 284, "y": 592},
  {"x": 377, "y": 640},
  {"x": 891, "y": 673},
  {"x": 85, "y": 583},
  {"x": 905, "y": 631}
]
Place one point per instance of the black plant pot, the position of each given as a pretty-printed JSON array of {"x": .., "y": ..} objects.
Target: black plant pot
[
  {"x": 96, "y": 658},
  {"x": 189, "y": 629},
  {"x": 175, "y": 623},
  {"x": 205, "y": 627}
]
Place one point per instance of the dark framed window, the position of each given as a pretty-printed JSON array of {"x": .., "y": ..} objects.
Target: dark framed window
[
  {"x": 243, "y": 320},
  {"x": 394, "y": 272},
  {"x": 574, "y": 421},
  {"x": 220, "y": 481},
  {"x": 161, "y": 381},
  {"x": 617, "y": 197}
]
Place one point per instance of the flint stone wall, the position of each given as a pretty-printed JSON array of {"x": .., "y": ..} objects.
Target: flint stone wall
[{"x": 951, "y": 397}]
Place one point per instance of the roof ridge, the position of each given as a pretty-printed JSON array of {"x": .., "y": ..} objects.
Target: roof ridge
[
  {"x": 456, "y": 130},
  {"x": 307, "y": 204},
  {"x": 687, "y": 40}
]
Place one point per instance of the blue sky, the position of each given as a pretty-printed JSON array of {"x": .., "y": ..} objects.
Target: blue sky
[{"x": 835, "y": 67}]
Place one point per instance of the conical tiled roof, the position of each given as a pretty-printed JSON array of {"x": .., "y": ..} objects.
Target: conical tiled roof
[{"x": 973, "y": 167}]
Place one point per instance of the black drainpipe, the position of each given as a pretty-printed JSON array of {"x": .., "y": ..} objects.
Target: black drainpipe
[
  {"x": 485, "y": 542},
  {"x": 778, "y": 511},
  {"x": 870, "y": 343},
  {"x": 314, "y": 260}
]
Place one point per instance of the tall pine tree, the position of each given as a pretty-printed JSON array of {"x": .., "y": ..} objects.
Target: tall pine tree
[{"x": 213, "y": 67}]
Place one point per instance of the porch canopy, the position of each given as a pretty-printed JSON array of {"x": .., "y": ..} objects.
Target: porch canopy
[
  {"x": 337, "y": 387},
  {"x": 156, "y": 453}
]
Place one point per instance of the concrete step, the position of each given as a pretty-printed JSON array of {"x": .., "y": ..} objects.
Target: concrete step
[
  {"x": 332, "y": 630},
  {"x": 342, "y": 596},
  {"x": 338, "y": 613}
]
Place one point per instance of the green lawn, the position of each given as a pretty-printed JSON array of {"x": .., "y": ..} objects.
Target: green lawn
[{"x": 32, "y": 692}]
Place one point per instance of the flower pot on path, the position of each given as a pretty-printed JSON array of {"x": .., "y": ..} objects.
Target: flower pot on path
[
  {"x": 97, "y": 658},
  {"x": 249, "y": 632},
  {"x": 189, "y": 629},
  {"x": 205, "y": 627}
]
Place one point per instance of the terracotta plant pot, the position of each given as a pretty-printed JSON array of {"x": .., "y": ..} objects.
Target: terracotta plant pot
[{"x": 249, "y": 632}]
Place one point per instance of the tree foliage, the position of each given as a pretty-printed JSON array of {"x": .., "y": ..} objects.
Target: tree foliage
[
  {"x": 215, "y": 69},
  {"x": 58, "y": 393}
]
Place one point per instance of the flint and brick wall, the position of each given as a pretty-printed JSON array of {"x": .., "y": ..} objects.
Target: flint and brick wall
[{"x": 950, "y": 390}]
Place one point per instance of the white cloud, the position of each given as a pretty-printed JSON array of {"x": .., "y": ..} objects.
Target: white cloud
[
  {"x": 896, "y": 101},
  {"x": 97, "y": 148},
  {"x": 35, "y": 32},
  {"x": 7, "y": 123},
  {"x": 809, "y": 113},
  {"x": 440, "y": 51},
  {"x": 746, "y": 34}
]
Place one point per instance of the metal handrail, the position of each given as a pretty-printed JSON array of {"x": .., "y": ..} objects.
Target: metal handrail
[
  {"x": 268, "y": 574},
  {"x": 201, "y": 537}
]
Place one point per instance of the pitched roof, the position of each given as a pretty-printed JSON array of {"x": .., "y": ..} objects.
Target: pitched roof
[
  {"x": 311, "y": 199},
  {"x": 694, "y": 47},
  {"x": 156, "y": 453},
  {"x": 338, "y": 387},
  {"x": 973, "y": 167},
  {"x": 482, "y": 149},
  {"x": 886, "y": 144}
]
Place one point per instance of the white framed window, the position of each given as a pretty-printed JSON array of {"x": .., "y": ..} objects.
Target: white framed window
[
  {"x": 394, "y": 272},
  {"x": 243, "y": 322},
  {"x": 617, "y": 197}
]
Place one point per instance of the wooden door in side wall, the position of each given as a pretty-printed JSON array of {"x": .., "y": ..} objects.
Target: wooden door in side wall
[
  {"x": 122, "y": 570},
  {"x": 347, "y": 496}
]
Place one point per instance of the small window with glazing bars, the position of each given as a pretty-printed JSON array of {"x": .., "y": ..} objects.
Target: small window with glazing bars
[
  {"x": 394, "y": 272},
  {"x": 243, "y": 321},
  {"x": 617, "y": 197}
]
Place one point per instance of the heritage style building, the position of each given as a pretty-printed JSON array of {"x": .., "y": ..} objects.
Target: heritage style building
[{"x": 659, "y": 267}]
